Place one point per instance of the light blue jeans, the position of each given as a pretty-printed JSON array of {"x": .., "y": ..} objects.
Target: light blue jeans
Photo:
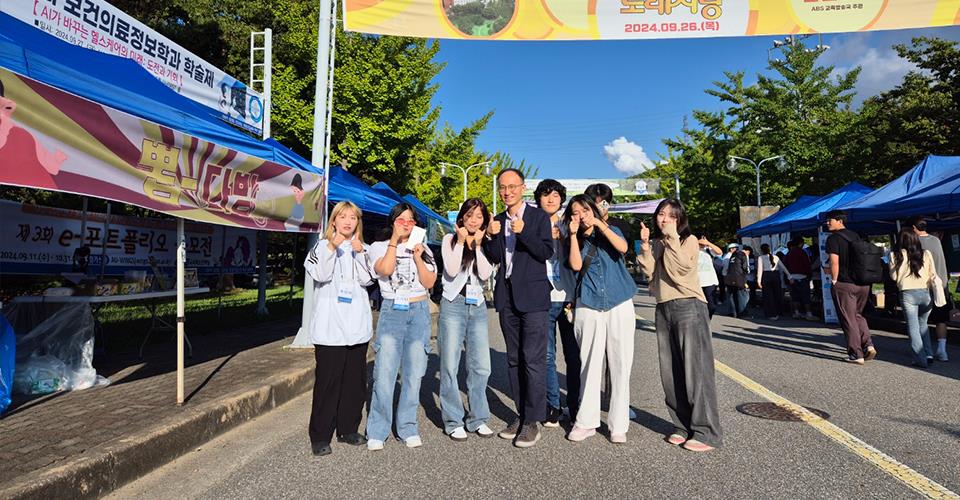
[
  {"x": 461, "y": 324},
  {"x": 402, "y": 345},
  {"x": 917, "y": 305}
]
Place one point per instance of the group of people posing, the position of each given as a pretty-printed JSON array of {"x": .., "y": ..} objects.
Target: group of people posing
[{"x": 554, "y": 272}]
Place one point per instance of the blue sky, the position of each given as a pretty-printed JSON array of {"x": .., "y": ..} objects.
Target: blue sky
[{"x": 557, "y": 104}]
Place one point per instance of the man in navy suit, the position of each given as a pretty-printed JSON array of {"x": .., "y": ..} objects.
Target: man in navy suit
[{"x": 520, "y": 241}]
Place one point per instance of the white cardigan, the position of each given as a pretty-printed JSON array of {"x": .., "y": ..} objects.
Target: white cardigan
[{"x": 454, "y": 276}]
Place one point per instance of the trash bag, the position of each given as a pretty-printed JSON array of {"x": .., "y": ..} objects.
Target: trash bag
[
  {"x": 8, "y": 351},
  {"x": 40, "y": 375},
  {"x": 61, "y": 331}
]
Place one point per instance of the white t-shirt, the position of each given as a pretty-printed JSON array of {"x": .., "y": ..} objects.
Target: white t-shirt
[
  {"x": 706, "y": 271},
  {"x": 404, "y": 275}
]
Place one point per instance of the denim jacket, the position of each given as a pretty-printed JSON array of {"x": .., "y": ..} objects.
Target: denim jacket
[{"x": 607, "y": 283}]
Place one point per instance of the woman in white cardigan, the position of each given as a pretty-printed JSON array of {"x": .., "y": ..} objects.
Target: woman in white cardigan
[
  {"x": 463, "y": 321},
  {"x": 340, "y": 329}
]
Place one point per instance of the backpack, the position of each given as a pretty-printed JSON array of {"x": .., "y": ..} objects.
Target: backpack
[
  {"x": 736, "y": 270},
  {"x": 865, "y": 261}
]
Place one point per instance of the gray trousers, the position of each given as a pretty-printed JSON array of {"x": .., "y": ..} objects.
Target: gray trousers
[{"x": 686, "y": 369}]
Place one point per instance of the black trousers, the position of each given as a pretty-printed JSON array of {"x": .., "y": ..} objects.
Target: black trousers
[
  {"x": 339, "y": 391},
  {"x": 525, "y": 334}
]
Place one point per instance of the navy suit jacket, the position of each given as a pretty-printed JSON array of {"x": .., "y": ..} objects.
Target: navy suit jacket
[{"x": 528, "y": 278}]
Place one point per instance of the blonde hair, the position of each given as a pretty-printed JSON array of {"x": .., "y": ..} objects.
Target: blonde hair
[{"x": 337, "y": 209}]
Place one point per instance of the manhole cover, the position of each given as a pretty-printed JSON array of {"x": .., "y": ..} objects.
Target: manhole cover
[{"x": 774, "y": 411}]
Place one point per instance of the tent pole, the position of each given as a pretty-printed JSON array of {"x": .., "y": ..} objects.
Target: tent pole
[
  {"x": 262, "y": 274},
  {"x": 323, "y": 98},
  {"x": 83, "y": 222},
  {"x": 181, "y": 258},
  {"x": 223, "y": 250}
]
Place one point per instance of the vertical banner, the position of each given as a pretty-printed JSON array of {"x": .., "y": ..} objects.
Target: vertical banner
[
  {"x": 99, "y": 26},
  {"x": 50, "y": 139},
  {"x": 829, "y": 309}
]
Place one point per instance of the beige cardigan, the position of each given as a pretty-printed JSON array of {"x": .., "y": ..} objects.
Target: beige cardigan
[
  {"x": 905, "y": 279},
  {"x": 671, "y": 266}
]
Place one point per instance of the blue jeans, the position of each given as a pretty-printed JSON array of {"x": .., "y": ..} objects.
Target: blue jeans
[
  {"x": 916, "y": 309},
  {"x": 461, "y": 324},
  {"x": 402, "y": 345},
  {"x": 571, "y": 355}
]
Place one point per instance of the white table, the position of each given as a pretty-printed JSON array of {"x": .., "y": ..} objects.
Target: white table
[{"x": 157, "y": 323}]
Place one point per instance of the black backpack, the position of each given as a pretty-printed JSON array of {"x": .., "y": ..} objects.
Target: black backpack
[
  {"x": 865, "y": 261},
  {"x": 737, "y": 270}
]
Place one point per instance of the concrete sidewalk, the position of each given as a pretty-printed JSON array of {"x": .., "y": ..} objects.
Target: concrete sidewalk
[{"x": 86, "y": 443}]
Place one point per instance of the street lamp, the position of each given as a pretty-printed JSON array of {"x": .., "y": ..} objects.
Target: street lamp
[
  {"x": 486, "y": 171},
  {"x": 781, "y": 166}
]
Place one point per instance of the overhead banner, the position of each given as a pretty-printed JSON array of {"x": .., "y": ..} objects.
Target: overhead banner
[
  {"x": 97, "y": 25},
  {"x": 620, "y": 187},
  {"x": 53, "y": 140},
  {"x": 43, "y": 240},
  {"x": 638, "y": 19}
]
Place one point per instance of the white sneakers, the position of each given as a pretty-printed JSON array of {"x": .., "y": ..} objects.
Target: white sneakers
[
  {"x": 942, "y": 355},
  {"x": 458, "y": 434},
  {"x": 413, "y": 442},
  {"x": 484, "y": 431},
  {"x": 374, "y": 445}
]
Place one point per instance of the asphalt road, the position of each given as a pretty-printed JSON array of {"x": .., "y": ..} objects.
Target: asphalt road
[{"x": 909, "y": 415}]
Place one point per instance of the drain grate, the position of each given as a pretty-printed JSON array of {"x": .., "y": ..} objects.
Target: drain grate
[{"x": 774, "y": 411}]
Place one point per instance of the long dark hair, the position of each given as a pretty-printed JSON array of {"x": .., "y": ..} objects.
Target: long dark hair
[
  {"x": 683, "y": 225},
  {"x": 582, "y": 200},
  {"x": 470, "y": 253},
  {"x": 395, "y": 212},
  {"x": 909, "y": 241}
]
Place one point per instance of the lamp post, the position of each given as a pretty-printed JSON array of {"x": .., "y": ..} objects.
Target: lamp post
[
  {"x": 486, "y": 171},
  {"x": 781, "y": 166}
]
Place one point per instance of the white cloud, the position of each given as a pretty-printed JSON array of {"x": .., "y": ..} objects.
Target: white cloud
[
  {"x": 627, "y": 157},
  {"x": 881, "y": 67}
]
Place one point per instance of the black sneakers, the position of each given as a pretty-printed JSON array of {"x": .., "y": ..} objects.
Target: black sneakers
[
  {"x": 320, "y": 449},
  {"x": 553, "y": 417},
  {"x": 354, "y": 438}
]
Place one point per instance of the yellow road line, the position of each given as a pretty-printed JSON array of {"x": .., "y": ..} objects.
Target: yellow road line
[{"x": 920, "y": 483}]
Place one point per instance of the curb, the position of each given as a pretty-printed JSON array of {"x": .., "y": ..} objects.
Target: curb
[{"x": 123, "y": 460}]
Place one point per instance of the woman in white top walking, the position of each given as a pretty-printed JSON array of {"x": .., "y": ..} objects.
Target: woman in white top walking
[
  {"x": 405, "y": 273},
  {"x": 340, "y": 328},
  {"x": 912, "y": 268},
  {"x": 463, "y": 321},
  {"x": 770, "y": 274}
]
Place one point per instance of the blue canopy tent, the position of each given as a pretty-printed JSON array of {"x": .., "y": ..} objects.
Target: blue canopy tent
[
  {"x": 124, "y": 85},
  {"x": 932, "y": 188},
  {"x": 345, "y": 186},
  {"x": 759, "y": 228},
  {"x": 807, "y": 218},
  {"x": 423, "y": 211}
]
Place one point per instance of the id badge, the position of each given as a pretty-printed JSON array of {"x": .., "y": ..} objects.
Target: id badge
[
  {"x": 345, "y": 293},
  {"x": 474, "y": 295},
  {"x": 401, "y": 302}
]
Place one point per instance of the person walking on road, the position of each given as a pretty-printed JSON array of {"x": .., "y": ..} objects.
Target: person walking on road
[
  {"x": 550, "y": 196},
  {"x": 770, "y": 272},
  {"x": 940, "y": 315},
  {"x": 669, "y": 256},
  {"x": 405, "y": 274},
  {"x": 340, "y": 328},
  {"x": 519, "y": 240},
  {"x": 463, "y": 322},
  {"x": 797, "y": 263},
  {"x": 735, "y": 269},
  {"x": 604, "y": 318},
  {"x": 707, "y": 272},
  {"x": 912, "y": 268},
  {"x": 848, "y": 297}
]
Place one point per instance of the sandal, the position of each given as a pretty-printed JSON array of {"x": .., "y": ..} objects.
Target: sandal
[
  {"x": 676, "y": 439},
  {"x": 694, "y": 445}
]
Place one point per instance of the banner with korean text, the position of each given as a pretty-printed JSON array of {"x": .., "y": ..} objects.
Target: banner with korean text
[
  {"x": 44, "y": 240},
  {"x": 53, "y": 140},
  {"x": 97, "y": 25},
  {"x": 638, "y": 19}
]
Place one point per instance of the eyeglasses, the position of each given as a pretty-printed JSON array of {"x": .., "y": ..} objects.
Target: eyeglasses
[
  {"x": 510, "y": 187},
  {"x": 406, "y": 222}
]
